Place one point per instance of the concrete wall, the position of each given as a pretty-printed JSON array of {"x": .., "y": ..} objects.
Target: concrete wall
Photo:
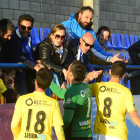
[
  {"x": 121, "y": 16},
  {"x": 46, "y": 13}
]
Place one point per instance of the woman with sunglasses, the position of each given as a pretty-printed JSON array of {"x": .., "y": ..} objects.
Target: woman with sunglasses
[
  {"x": 52, "y": 51},
  {"x": 103, "y": 34}
]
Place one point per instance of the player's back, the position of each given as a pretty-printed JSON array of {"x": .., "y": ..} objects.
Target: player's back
[
  {"x": 113, "y": 101},
  {"x": 39, "y": 113},
  {"x": 79, "y": 98}
]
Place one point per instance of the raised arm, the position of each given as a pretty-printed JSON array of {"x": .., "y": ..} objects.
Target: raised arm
[{"x": 57, "y": 90}]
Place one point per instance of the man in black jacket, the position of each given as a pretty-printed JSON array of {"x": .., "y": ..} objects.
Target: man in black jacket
[
  {"x": 19, "y": 49},
  {"x": 6, "y": 29},
  {"x": 78, "y": 49}
]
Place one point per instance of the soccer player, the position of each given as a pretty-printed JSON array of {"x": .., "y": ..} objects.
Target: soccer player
[
  {"x": 77, "y": 103},
  {"x": 113, "y": 101},
  {"x": 36, "y": 113}
]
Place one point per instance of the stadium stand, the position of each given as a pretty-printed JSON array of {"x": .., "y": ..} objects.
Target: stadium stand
[
  {"x": 35, "y": 37},
  {"x": 125, "y": 41},
  {"x": 133, "y": 39},
  {"x": 116, "y": 41},
  {"x": 43, "y": 33}
]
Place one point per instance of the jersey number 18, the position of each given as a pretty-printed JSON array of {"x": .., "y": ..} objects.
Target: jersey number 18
[{"x": 39, "y": 121}]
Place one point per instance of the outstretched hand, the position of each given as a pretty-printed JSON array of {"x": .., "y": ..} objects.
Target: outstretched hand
[
  {"x": 92, "y": 75},
  {"x": 117, "y": 58}
]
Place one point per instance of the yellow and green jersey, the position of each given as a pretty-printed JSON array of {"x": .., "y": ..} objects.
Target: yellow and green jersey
[
  {"x": 35, "y": 113},
  {"x": 113, "y": 101}
]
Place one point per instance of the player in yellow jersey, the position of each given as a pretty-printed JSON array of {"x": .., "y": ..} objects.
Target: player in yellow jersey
[
  {"x": 36, "y": 113},
  {"x": 113, "y": 101}
]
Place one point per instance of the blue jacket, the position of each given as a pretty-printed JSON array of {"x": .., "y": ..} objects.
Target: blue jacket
[{"x": 76, "y": 28}]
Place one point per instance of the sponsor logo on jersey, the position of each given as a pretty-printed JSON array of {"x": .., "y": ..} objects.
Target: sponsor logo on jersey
[
  {"x": 109, "y": 122},
  {"x": 104, "y": 88},
  {"x": 31, "y": 135},
  {"x": 87, "y": 122},
  {"x": 85, "y": 92},
  {"x": 34, "y": 136},
  {"x": 29, "y": 102},
  {"x": 1, "y": 88},
  {"x": 68, "y": 101}
]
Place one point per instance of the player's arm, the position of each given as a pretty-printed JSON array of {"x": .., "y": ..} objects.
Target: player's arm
[
  {"x": 16, "y": 120},
  {"x": 59, "y": 132},
  {"x": 57, "y": 90},
  {"x": 135, "y": 117}
]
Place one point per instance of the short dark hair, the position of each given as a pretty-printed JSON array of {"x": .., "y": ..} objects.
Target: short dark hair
[
  {"x": 118, "y": 69},
  {"x": 26, "y": 17},
  {"x": 5, "y": 25},
  {"x": 44, "y": 77},
  {"x": 105, "y": 28},
  {"x": 78, "y": 70}
]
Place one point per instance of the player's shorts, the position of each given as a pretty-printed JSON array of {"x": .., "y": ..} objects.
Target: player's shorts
[{"x": 102, "y": 137}]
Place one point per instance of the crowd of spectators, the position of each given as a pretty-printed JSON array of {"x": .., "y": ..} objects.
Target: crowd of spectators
[{"x": 55, "y": 52}]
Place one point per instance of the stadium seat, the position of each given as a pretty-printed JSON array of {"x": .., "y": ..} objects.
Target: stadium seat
[
  {"x": 108, "y": 78},
  {"x": 133, "y": 39},
  {"x": 116, "y": 41},
  {"x": 125, "y": 41},
  {"x": 43, "y": 33},
  {"x": 35, "y": 37},
  {"x": 104, "y": 79},
  {"x": 123, "y": 83},
  {"x": 109, "y": 45}
]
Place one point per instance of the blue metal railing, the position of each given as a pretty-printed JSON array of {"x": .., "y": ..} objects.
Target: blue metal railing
[{"x": 16, "y": 65}]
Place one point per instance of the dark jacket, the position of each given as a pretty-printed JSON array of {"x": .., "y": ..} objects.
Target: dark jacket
[
  {"x": 46, "y": 53},
  {"x": 11, "y": 52},
  {"x": 73, "y": 50},
  {"x": 134, "y": 50}
]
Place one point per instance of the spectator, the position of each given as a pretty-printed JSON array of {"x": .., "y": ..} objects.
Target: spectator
[
  {"x": 53, "y": 53},
  {"x": 4, "y": 92},
  {"x": 6, "y": 29},
  {"x": 103, "y": 34},
  {"x": 12, "y": 73},
  {"x": 79, "y": 49},
  {"x": 19, "y": 49},
  {"x": 25, "y": 125},
  {"x": 134, "y": 52},
  {"x": 80, "y": 23},
  {"x": 113, "y": 101}
]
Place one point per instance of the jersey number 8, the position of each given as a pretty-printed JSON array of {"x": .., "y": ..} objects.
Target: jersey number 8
[
  {"x": 107, "y": 110},
  {"x": 39, "y": 121}
]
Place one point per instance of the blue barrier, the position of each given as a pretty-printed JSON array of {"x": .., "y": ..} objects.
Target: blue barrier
[{"x": 16, "y": 65}]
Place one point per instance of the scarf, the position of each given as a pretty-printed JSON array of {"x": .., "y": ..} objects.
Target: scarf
[
  {"x": 101, "y": 45},
  {"x": 80, "y": 55},
  {"x": 59, "y": 50},
  {"x": 26, "y": 46}
]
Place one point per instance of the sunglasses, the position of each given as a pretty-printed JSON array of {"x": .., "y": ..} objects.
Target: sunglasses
[
  {"x": 87, "y": 45},
  {"x": 24, "y": 27},
  {"x": 58, "y": 36}
]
